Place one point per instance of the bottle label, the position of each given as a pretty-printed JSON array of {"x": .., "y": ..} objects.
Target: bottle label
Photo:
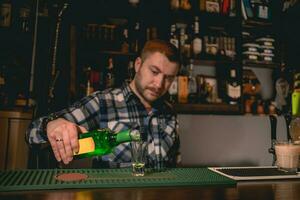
[
  {"x": 183, "y": 89},
  {"x": 234, "y": 91},
  {"x": 174, "y": 42},
  {"x": 263, "y": 12},
  {"x": 174, "y": 87},
  {"x": 212, "y": 6},
  {"x": 197, "y": 45},
  {"x": 86, "y": 145},
  {"x": 232, "y": 73}
]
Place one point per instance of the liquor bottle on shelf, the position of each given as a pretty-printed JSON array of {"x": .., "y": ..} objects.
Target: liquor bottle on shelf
[
  {"x": 232, "y": 11},
  {"x": 151, "y": 33},
  {"x": 192, "y": 84},
  {"x": 185, "y": 5},
  {"x": 233, "y": 87},
  {"x": 262, "y": 10},
  {"x": 174, "y": 4},
  {"x": 182, "y": 38},
  {"x": 124, "y": 42},
  {"x": 225, "y": 7},
  {"x": 134, "y": 2},
  {"x": 103, "y": 141},
  {"x": 88, "y": 87},
  {"x": 188, "y": 42},
  {"x": 180, "y": 5},
  {"x": 5, "y": 13},
  {"x": 173, "y": 36},
  {"x": 183, "y": 85},
  {"x": 173, "y": 91},
  {"x": 110, "y": 76},
  {"x": 202, "y": 5},
  {"x": 24, "y": 19},
  {"x": 184, "y": 44},
  {"x": 130, "y": 71},
  {"x": 196, "y": 40},
  {"x": 202, "y": 89},
  {"x": 294, "y": 126},
  {"x": 135, "y": 37},
  {"x": 212, "y": 6},
  {"x": 222, "y": 74}
]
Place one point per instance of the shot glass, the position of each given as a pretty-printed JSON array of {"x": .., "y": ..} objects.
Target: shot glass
[
  {"x": 287, "y": 156},
  {"x": 138, "y": 156},
  {"x": 157, "y": 165}
]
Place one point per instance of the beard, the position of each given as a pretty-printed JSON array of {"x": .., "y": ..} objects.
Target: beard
[{"x": 147, "y": 92}]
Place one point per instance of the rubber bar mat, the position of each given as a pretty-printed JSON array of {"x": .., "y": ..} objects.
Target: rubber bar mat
[{"x": 107, "y": 178}]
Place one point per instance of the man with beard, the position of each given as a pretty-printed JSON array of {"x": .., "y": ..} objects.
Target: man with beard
[{"x": 141, "y": 104}]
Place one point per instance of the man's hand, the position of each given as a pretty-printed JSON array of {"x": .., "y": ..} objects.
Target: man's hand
[{"x": 63, "y": 137}]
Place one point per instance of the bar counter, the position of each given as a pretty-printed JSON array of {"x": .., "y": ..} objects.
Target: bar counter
[
  {"x": 279, "y": 190},
  {"x": 199, "y": 187}
]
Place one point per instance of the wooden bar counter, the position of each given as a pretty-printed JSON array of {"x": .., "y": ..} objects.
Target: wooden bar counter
[{"x": 254, "y": 190}]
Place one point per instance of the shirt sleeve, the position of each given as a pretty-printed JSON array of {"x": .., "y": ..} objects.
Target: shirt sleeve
[{"x": 84, "y": 113}]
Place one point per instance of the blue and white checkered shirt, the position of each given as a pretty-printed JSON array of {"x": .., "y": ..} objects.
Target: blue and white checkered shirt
[{"x": 119, "y": 109}]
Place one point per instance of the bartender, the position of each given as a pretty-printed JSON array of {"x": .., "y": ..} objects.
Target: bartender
[{"x": 140, "y": 103}]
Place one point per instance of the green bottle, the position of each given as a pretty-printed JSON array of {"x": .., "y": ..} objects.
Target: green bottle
[
  {"x": 295, "y": 122},
  {"x": 103, "y": 141}
]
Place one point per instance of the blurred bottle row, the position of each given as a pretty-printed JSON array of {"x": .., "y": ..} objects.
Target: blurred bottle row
[
  {"x": 193, "y": 87},
  {"x": 192, "y": 42},
  {"x": 110, "y": 72},
  {"x": 224, "y": 7},
  {"x": 198, "y": 44}
]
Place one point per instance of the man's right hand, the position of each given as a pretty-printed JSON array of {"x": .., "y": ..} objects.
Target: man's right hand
[{"x": 63, "y": 137}]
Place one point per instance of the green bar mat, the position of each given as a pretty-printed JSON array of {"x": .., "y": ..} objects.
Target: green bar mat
[{"x": 109, "y": 178}]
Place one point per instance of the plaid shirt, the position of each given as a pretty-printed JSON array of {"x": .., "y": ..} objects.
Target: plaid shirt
[{"x": 119, "y": 109}]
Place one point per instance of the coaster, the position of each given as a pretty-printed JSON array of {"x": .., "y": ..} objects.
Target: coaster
[{"x": 71, "y": 177}]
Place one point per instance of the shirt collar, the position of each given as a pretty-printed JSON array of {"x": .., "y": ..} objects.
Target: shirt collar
[{"x": 127, "y": 92}]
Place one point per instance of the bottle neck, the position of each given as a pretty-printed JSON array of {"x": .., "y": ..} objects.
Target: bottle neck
[{"x": 127, "y": 136}]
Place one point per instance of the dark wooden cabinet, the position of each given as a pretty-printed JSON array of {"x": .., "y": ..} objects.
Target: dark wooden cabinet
[{"x": 14, "y": 150}]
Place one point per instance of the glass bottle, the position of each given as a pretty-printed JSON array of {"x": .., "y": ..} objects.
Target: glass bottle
[
  {"x": 89, "y": 88},
  {"x": 233, "y": 87},
  {"x": 110, "y": 76},
  {"x": 294, "y": 127},
  {"x": 135, "y": 37},
  {"x": 174, "y": 4},
  {"x": 202, "y": 5},
  {"x": 24, "y": 17},
  {"x": 173, "y": 36},
  {"x": 173, "y": 90},
  {"x": 196, "y": 40},
  {"x": 125, "y": 42},
  {"x": 192, "y": 85},
  {"x": 5, "y": 14},
  {"x": 103, "y": 141},
  {"x": 182, "y": 92},
  {"x": 185, "y": 5},
  {"x": 130, "y": 71}
]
